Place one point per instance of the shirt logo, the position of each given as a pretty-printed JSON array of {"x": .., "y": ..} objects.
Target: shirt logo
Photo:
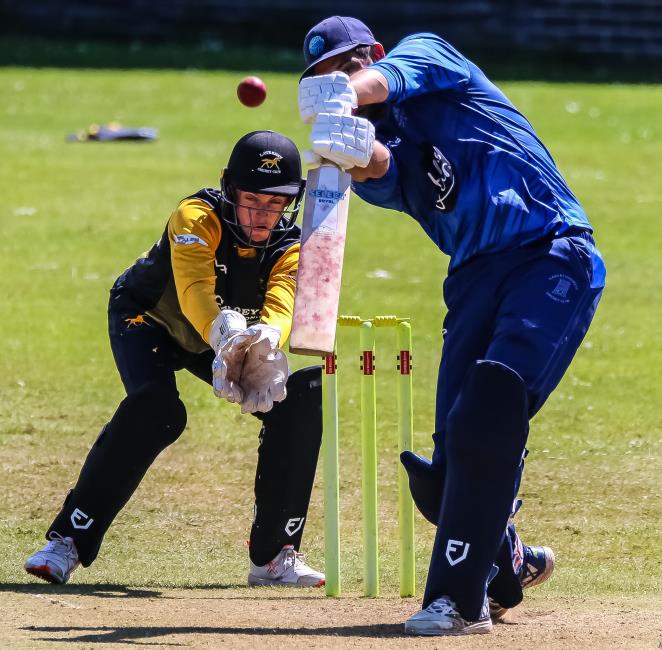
[
  {"x": 562, "y": 284},
  {"x": 270, "y": 162},
  {"x": 252, "y": 314},
  {"x": 222, "y": 268},
  {"x": 316, "y": 45},
  {"x": 187, "y": 240},
  {"x": 442, "y": 177}
]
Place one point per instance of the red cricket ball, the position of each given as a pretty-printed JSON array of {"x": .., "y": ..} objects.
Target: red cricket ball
[{"x": 251, "y": 91}]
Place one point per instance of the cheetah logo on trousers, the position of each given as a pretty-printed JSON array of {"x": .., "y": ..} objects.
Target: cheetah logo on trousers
[{"x": 135, "y": 321}]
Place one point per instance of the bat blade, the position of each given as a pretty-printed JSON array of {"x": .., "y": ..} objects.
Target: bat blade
[{"x": 320, "y": 262}]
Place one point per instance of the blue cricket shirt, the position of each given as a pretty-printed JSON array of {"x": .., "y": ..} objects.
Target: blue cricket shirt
[{"x": 465, "y": 163}]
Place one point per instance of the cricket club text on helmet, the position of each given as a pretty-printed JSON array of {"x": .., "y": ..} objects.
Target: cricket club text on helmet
[{"x": 263, "y": 162}]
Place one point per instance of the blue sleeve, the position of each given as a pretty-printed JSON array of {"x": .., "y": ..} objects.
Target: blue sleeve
[
  {"x": 422, "y": 63},
  {"x": 384, "y": 192}
]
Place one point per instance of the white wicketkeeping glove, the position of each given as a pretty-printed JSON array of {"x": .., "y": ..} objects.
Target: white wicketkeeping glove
[
  {"x": 230, "y": 340},
  {"x": 345, "y": 140},
  {"x": 327, "y": 93},
  {"x": 227, "y": 324},
  {"x": 265, "y": 373}
]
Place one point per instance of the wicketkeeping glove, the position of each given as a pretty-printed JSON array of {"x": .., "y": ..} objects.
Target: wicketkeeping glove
[
  {"x": 263, "y": 378},
  {"x": 230, "y": 340},
  {"x": 327, "y": 93},
  {"x": 345, "y": 140},
  {"x": 264, "y": 372}
]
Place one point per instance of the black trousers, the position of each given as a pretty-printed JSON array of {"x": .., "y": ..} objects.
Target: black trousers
[{"x": 152, "y": 417}]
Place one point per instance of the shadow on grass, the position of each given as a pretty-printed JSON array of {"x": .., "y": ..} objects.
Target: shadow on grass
[
  {"x": 113, "y": 634},
  {"x": 105, "y": 590},
  {"x": 112, "y": 590}
]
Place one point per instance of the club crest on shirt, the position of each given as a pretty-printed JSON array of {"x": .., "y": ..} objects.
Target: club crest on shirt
[{"x": 442, "y": 176}]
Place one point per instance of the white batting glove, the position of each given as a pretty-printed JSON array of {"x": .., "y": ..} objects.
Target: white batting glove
[
  {"x": 345, "y": 140},
  {"x": 327, "y": 93},
  {"x": 310, "y": 158}
]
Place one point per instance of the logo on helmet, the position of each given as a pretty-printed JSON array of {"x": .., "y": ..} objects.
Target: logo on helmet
[
  {"x": 270, "y": 162},
  {"x": 316, "y": 45}
]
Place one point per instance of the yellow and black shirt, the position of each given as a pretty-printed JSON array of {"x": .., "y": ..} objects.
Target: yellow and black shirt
[{"x": 198, "y": 266}]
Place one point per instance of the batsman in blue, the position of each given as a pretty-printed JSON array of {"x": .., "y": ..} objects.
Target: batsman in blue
[{"x": 423, "y": 131}]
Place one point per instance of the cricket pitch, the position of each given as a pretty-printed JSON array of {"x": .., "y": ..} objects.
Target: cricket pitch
[{"x": 109, "y": 616}]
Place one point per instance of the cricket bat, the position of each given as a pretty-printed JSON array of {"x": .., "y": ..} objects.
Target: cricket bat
[{"x": 320, "y": 261}]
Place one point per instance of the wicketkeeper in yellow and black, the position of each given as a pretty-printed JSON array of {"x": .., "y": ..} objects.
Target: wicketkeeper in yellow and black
[{"x": 213, "y": 296}]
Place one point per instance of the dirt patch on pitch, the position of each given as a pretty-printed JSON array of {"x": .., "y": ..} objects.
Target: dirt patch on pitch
[{"x": 86, "y": 616}]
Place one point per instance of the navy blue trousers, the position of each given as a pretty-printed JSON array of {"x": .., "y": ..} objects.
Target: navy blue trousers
[{"x": 527, "y": 309}]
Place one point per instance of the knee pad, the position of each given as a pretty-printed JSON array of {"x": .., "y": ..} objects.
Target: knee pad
[
  {"x": 300, "y": 413},
  {"x": 490, "y": 416},
  {"x": 306, "y": 380},
  {"x": 153, "y": 416}
]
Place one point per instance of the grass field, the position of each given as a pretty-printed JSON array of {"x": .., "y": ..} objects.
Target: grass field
[{"x": 73, "y": 216}]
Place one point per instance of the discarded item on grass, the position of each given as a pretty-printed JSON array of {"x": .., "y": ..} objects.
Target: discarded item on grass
[{"x": 111, "y": 132}]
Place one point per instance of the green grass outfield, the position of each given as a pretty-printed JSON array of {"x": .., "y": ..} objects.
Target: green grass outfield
[{"x": 73, "y": 216}]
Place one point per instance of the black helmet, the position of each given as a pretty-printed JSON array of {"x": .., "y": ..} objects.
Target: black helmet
[{"x": 263, "y": 162}]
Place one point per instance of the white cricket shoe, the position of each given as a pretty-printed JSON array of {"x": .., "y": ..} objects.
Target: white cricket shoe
[
  {"x": 441, "y": 618},
  {"x": 287, "y": 569},
  {"x": 56, "y": 561}
]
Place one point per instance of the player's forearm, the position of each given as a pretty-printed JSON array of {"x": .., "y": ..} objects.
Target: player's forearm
[
  {"x": 279, "y": 299},
  {"x": 370, "y": 85},
  {"x": 377, "y": 167}
]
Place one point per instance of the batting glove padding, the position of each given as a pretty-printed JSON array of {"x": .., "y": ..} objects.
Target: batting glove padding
[
  {"x": 327, "y": 93},
  {"x": 345, "y": 140}
]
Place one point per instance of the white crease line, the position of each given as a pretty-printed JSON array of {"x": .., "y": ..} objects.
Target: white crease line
[{"x": 55, "y": 601}]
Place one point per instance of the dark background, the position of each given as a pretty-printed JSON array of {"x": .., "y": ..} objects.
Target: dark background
[{"x": 574, "y": 39}]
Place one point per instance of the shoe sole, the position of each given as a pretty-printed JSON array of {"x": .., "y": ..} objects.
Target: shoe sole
[
  {"x": 268, "y": 582},
  {"x": 430, "y": 629},
  {"x": 42, "y": 571}
]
